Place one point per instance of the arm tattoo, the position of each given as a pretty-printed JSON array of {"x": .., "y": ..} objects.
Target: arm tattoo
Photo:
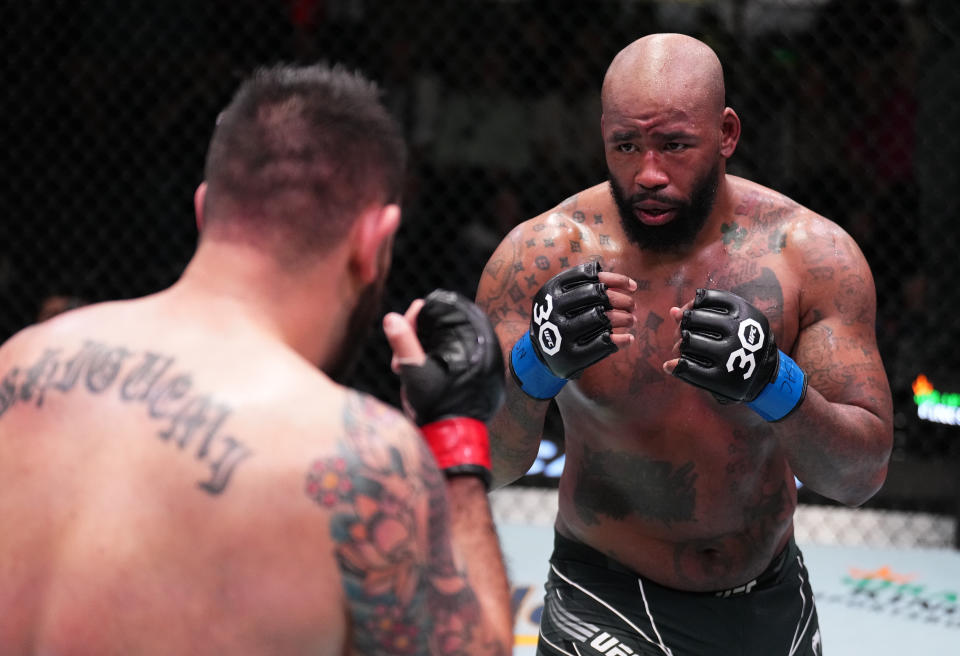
[
  {"x": 852, "y": 300},
  {"x": 389, "y": 525},
  {"x": 188, "y": 418}
]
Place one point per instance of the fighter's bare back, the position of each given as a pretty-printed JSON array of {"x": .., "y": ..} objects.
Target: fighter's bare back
[
  {"x": 170, "y": 490},
  {"x": 688, "y": 492}
]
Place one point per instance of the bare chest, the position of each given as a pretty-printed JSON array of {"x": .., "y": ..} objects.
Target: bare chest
[{"x": 616, "y": 383}]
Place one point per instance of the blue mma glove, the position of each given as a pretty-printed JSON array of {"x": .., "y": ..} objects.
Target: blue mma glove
[
  {"x": 569, "y": 331},
  {"x": 727, "y": 348}
]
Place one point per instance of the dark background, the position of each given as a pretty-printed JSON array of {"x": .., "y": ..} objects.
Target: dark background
[{"x": 848, "y": 106}]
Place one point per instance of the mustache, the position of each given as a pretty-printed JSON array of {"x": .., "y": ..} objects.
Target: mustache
[{"x": 641, "y": 197}]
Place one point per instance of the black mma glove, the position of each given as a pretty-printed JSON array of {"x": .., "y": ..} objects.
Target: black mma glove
[
  {"x": 727, "y": 348},
  {"x": 569, "y": 331},
  {"x": 459, "y": 387}
]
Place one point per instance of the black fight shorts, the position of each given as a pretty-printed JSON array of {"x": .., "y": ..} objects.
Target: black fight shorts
[{"x": 594, "y": 605}]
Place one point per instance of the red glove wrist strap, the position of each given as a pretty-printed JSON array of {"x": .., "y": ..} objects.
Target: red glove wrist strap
[{"x": 459, "y": 444}]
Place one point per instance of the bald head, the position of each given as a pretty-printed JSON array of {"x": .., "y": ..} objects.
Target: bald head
[{"x": 664, "y": 70}]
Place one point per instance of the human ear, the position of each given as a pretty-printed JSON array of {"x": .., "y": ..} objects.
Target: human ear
[
  {"x": 199, "y": 197},
  {"x": 372, "y": 233},
  {"x": 729, "y": 132}
]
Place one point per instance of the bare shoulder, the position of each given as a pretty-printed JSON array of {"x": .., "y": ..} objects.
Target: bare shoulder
[
  {"x": 830, "y": 270},
  {"x": 56, "y": 333},
  {"x": 572, "y": 232},
  {"x": 371, "y": 441},
  {"x": 367, "y": 422},
  {"x": 19, "y": 343},
  {"x": 787, "y": 226}
]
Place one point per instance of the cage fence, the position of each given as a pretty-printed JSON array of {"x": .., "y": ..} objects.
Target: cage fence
[{"x": 848, "y": 106}]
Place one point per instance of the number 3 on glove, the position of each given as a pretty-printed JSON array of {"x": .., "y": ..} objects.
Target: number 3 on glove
[
  {"x": 569, "y": 331},
  {"x": 727, "y": 348}
]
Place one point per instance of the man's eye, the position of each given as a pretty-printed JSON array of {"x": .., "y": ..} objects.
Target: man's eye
[
  {"x": 673, "y": 146},
  {"x": 626, "y": 148}
]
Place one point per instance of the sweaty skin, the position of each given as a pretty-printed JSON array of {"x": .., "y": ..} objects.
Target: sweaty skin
[
  {"x": 196, "y": 487},
  {"x": 661, "y": 477}
]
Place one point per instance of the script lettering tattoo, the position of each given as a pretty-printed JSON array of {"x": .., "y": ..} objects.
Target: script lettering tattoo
[
  {"x": 405, "y": 592},
  {"x": 765, "y": 212},
  {"x": 736, "y": 271},
  {"x": 139, "y": 382},
  {"x": 8, "y": 390},
  {"x": 38, "y": 376},
  {"x": 96, "y": 363},
  {"x": 645, "y": 488},
  {"x": 97, "y": 368}
]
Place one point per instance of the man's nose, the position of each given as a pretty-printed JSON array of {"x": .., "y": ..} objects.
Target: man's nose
[{"x": 651, "y": 175}]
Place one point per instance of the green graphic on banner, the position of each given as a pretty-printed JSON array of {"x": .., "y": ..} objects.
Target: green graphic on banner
[
  {"x": 932, "y": 405},
  {"x": 887, "y": 592}
]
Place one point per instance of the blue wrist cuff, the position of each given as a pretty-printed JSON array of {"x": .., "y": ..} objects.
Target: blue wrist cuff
[
  {"x": 780, "y": 397},
  {"x": 533, "y": 377}
]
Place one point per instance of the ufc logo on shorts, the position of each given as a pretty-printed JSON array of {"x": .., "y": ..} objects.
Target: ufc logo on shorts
[
  {"x": 751, "y": 339},
  {"x": 548, "y": 335},
  {"x": 607, "y": 644}
]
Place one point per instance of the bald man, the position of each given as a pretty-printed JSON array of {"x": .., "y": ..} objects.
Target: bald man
[
  {"x": 182, "y": 473},
  {"x": 705, "y": 340}
]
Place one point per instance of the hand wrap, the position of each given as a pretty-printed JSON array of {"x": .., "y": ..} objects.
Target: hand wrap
[
  {"x": 727, "y": 348},
  {"x": 569, "y": 331},
  {"x": 460, "y": 385}
]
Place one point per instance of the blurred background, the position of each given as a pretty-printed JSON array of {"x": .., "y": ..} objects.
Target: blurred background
[{"x": 852, "y": 107}]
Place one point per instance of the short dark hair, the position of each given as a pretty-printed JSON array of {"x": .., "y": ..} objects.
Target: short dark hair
[{"x": 297, "y": 154}]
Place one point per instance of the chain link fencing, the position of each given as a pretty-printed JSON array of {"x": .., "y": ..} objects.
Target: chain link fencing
[{"x": 849, "y": 106}]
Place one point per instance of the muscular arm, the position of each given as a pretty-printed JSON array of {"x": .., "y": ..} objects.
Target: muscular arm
[
  {"x": 527, "y": 258},
  {"x": 505, "y": 292},
  {"x": 418, "y": 555},
  {"x": 838, "y": 441}
]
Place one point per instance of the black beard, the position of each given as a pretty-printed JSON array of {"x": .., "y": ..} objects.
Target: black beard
[
  {"x": 358, "y": 329},
  {"x": 679, "y": 233}
]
